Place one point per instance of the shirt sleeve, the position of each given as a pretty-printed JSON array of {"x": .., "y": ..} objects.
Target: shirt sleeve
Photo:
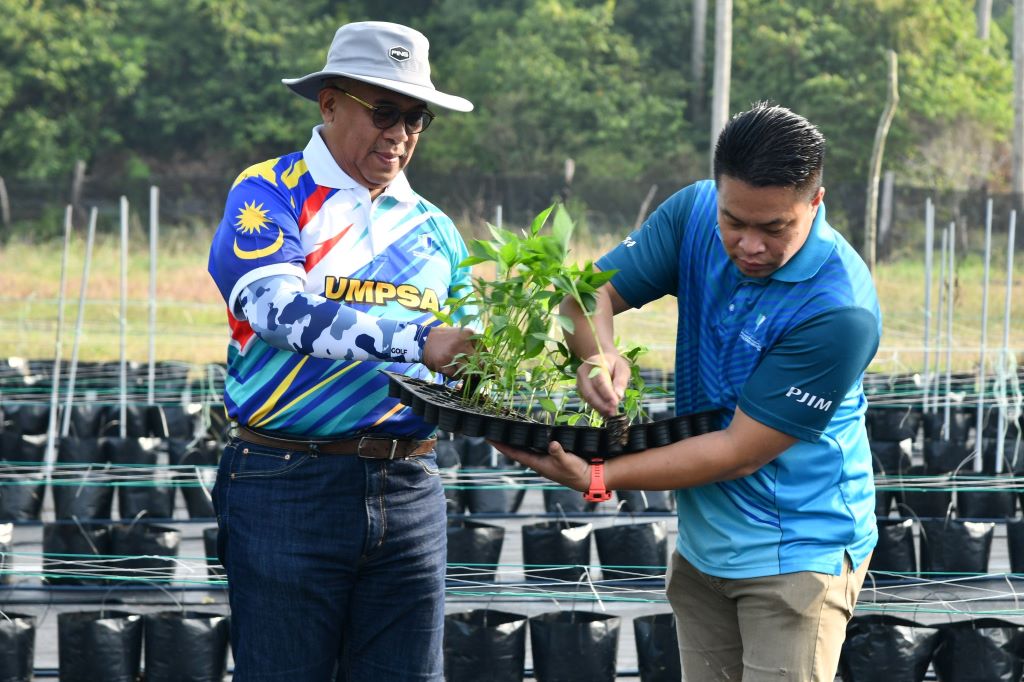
[
  {"x": 257, "y": 237},
  {"x": 647, "y": 260},
  {"x": 801, "y": 381},
  {"x": 286, "y": 317}
]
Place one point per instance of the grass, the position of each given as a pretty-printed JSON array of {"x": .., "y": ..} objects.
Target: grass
[{"x": 191, "y": 320}]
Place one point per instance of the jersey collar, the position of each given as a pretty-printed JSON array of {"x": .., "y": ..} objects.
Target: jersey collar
[
  {"x": 326, "y": 172},
  {"x": 812, "y": 255}
]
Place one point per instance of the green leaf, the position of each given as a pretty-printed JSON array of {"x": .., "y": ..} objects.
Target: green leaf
[
  {"x": 501, "y": 236},
  {"x": 562, "y": 227},
  {"x": 549, "y": 405},
  {"x": 509, "y": 254},
  {"x": 594, "y": 371},
  {"x": 566, "y": 323},
  {"x": 538, "y": 222},
  {"x": 483, "y": 250},
  {"x": 600, "y": 277}
]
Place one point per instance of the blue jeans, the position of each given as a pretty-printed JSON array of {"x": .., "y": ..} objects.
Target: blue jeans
[{"x": 335, "y": 565}]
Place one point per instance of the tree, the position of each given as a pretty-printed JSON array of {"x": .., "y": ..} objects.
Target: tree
[
  {"x": 560, "y": 80},
  {"x": 826, "y": 60},
  {"x": 67, "y": 66}
]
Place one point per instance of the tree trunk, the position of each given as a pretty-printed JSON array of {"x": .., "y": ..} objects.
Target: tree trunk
[
  {"x": 885, "y": 222},
  {"x": 5, "y": 205},
  {"x": 723, "y": 72},
  {"x": 644, "y": 205},
  {"x": 697, "y": 40},
  {"x": 875, "y": 169},
  {"x": 984, "y": 17},
  {"x": 77, "y": 180}
]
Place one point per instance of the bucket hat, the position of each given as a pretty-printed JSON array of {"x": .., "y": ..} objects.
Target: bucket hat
[{"x": 389, "y": 55}]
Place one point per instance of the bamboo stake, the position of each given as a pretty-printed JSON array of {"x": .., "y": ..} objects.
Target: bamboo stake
[
  {"x": 79, "y": 321},
  {"x": 951, "y": 272},
  {"x": 124, "y": 319},
  {"x": 978, "y": 437},
  {"x": 51, "y": 428},
  {"x": 1005, "y": 366},
  {"x": 154, "y": 212},
  {"x": 929, "y": 247}
]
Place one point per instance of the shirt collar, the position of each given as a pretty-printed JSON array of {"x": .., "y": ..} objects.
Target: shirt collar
[
  {"x": 812, "y": 255},
  {"x": 326, "y": 172}
]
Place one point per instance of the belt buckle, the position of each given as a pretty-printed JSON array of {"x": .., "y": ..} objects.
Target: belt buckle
[{"x": 366, "y": 440}]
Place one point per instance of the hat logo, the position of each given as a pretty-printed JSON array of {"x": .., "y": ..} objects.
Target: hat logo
[{"x": 399, "y": 54}]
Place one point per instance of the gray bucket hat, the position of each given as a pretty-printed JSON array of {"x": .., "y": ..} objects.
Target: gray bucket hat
[{"x": 381, "y": 53}]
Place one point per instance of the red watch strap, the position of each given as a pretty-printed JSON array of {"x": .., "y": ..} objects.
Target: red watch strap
[{"x": 597, "y": 491}]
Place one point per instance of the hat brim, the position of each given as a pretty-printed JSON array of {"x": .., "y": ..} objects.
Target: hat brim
[{"x": 310, "y": 86}]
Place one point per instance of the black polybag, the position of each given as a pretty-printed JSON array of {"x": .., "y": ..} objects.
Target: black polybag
[
  {"x": 81, "y": 491},
  {"x": 203, "y": 637},
  {"x": 953, "y": 546},
  {"x": 894, "y": 552},
  {"x": 21, "y": 457},
  {"x": 17, "y": 647},
  {"x": 574, "y": 645},
  {"x": 473, "y": 550},
  {"x": 99, "y": 646},
  {"x": 67, "y": 548},
  {"x": 557, "y": 550},
  {"x": 145, "y": 544},
  {"x": 484, "y": 646},
  {"x": 146, "y": 488},
  {"x": 880, "y": 648},
  {"x": 632, "y": 550},
  {"x": 980, "y": 650},
  {"x": 657, "y": 648}
]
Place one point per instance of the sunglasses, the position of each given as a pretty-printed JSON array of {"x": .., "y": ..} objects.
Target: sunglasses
[{"x": 387, "y": 115}]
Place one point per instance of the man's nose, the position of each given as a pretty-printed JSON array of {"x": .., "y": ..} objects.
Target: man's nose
[
  {"x": 397, "y": 132},
  {"x": 751, "y": 242}
]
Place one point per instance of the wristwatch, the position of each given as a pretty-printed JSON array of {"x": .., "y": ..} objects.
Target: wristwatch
[{"x": 597, "y": 491}]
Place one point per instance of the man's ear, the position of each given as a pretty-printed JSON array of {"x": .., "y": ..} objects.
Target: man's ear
[
  {"x": 817, "y": 198},
  {"x": 328, "y": 103}
]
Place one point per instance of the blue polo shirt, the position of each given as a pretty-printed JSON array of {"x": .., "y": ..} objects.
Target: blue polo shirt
[{"x": 790, "y": 350}]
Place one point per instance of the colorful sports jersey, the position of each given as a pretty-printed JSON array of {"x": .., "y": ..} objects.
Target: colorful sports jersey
[
  {"x": 790, "y": 350},
  {"x": 392, "y": 260}
]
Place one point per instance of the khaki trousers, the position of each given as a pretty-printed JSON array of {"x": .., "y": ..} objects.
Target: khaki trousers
[{"x": 781, "y": 627}]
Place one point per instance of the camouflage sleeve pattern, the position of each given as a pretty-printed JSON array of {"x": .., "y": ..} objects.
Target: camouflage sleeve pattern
[{"x": 286, "y": 317}]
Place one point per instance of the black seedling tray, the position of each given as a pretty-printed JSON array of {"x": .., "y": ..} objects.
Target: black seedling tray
[{"x": 440, "y": 405}]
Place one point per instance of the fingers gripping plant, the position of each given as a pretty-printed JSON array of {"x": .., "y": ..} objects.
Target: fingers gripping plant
[{"x": 522, "y": 362}]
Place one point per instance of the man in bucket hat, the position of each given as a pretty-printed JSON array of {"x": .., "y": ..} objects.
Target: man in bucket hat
[{"x": 330, "y": 509}]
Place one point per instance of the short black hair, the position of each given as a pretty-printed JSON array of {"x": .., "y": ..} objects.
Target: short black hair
[{"x": 770, "y": 146}]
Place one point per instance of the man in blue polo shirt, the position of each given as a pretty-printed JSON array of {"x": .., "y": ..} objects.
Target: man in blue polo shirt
[{"x": 778, "y": 319}]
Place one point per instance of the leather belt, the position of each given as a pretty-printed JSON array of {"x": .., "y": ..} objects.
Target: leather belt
[{"x": 368, "y": 447}]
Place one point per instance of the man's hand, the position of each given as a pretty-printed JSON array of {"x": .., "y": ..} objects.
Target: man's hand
[
  {"x": 557, "y": 465},
  {"x": 604, "y": 390},
  {"x": 442, "y": 346}
]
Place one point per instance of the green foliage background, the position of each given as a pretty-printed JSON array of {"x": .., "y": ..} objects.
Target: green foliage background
[{"x": 157, "y": 89}]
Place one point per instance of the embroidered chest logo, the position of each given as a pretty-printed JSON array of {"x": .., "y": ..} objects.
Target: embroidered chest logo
[
  {"x": 426, "y": 247},
  {"x": 750, "y": 337}
]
